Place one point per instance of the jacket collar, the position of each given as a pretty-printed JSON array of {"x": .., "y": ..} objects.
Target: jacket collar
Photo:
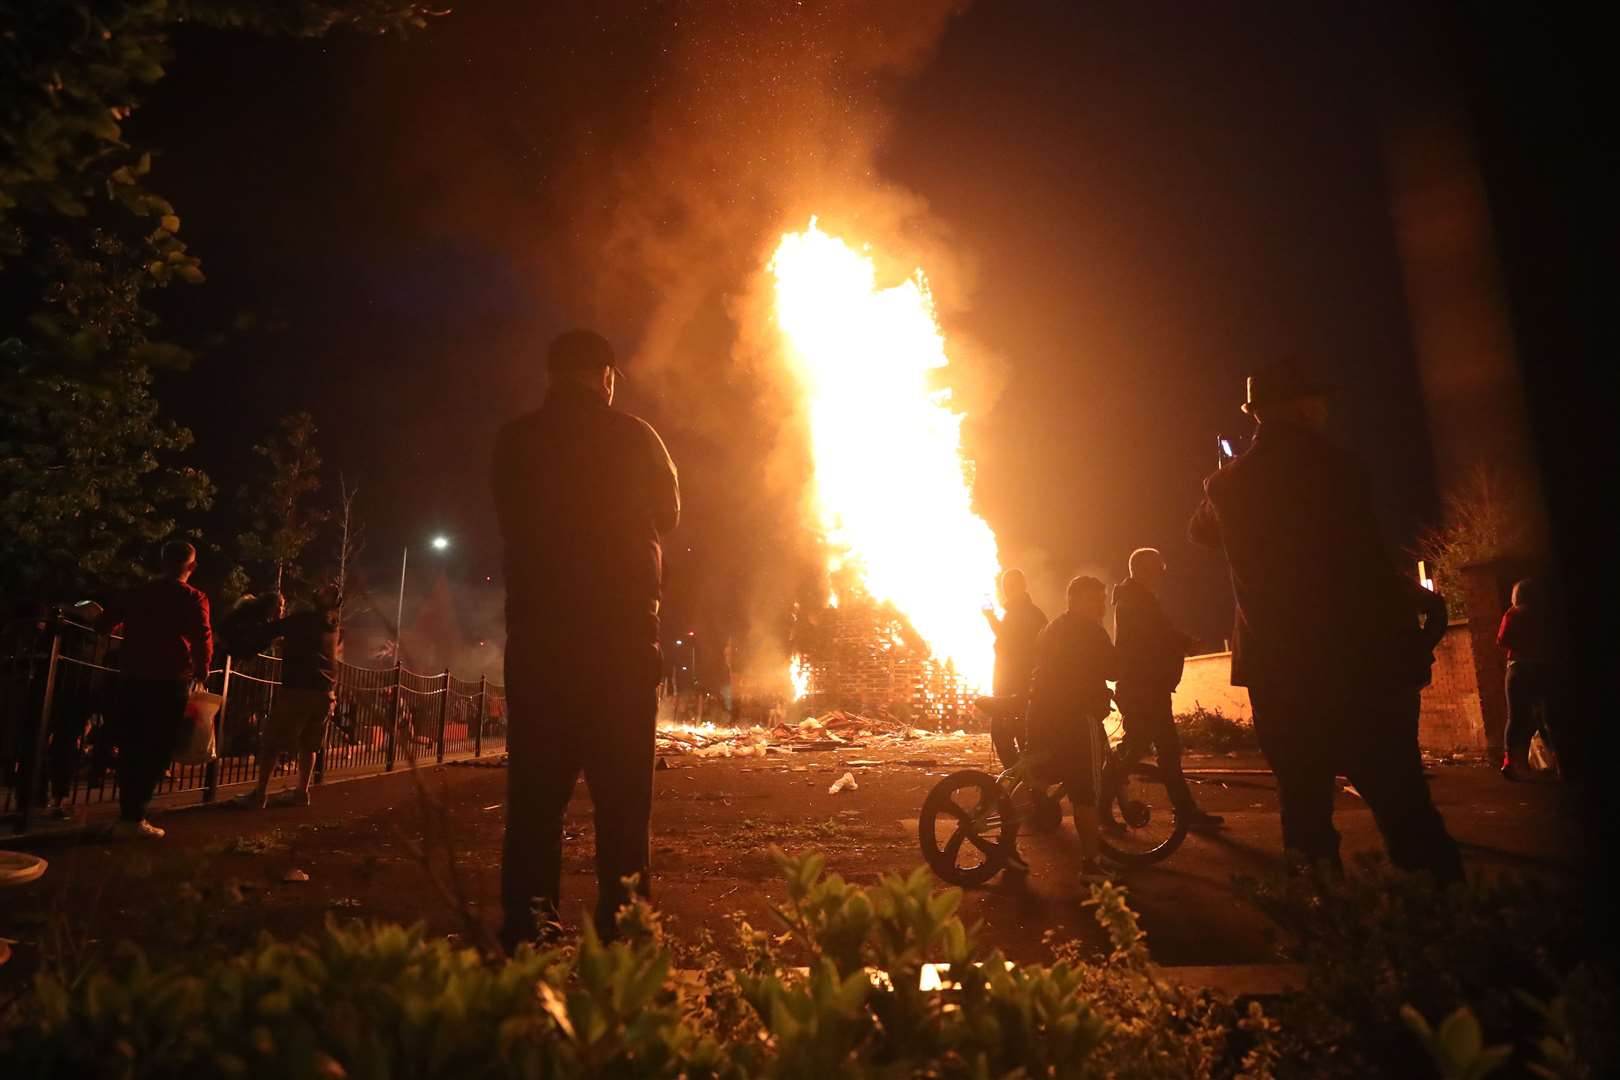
[{"x": 567, "y": 394}]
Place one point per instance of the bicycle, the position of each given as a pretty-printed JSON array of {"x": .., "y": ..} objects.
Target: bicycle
[{"x": 988, "y": 812}]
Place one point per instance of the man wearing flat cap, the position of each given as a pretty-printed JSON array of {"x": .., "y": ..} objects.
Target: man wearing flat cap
[
  {"x": 583, "y": 493},
  {"x": 1331, "y": 640}
]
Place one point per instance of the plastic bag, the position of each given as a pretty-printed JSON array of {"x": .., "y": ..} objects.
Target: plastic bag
[
  {"x": 842, "y": 784},
  {"x": 1542, "y": 758},
  {"x": 197, "y": 744}
]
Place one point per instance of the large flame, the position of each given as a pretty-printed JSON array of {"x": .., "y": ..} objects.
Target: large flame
[{"x": 890, "y": 482}]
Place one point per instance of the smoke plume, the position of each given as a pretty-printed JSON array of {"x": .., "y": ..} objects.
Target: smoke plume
[{"x": 757, "y": 116}]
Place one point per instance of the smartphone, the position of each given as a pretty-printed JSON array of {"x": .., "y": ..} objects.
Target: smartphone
[{"x": 1224, "y": 453}]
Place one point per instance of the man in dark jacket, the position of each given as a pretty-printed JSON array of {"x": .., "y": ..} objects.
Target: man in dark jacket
[
  {"x": 1074, "y": 661},
  {"x": 583, "y": 494},
  {"x": 1326, "y": 635},
  {"x": 1152, "y": 654},
  {"x": 167, "y": 646},
  {"x": 1015, "y": 632},
  {"x": 311, "y": 645}
]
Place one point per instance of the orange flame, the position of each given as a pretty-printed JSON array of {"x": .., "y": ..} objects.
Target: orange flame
[
  {"x": 799, "y": 676},
  {"x": 891, "y": 488}
]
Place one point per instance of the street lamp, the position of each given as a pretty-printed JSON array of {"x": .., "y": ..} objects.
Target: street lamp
[{"x": 438, "y": 543}]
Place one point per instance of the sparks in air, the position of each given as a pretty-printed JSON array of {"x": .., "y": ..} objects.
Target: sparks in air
[{"x": 890, "y": 485}]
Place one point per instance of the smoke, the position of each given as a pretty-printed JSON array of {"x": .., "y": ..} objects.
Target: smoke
[{"x": 757, "y": 116}]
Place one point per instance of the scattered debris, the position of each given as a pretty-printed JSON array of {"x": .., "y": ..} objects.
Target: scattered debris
[
  {"x": 838, "y": 729},
  {"x": 295, "y": 876},
  {"x": 265, "y": 843},
  {"x": 843, "y": 783}
]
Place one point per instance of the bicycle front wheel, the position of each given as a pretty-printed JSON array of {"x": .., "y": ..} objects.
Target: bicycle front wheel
[
  {"x": 967, "y": 828},
  {"x": 1139, "y": 822}
]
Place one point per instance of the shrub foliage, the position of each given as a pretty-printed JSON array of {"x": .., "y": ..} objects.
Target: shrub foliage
[{"x": 849, "y": 981}]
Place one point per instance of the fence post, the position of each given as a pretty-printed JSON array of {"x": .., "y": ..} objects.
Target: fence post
[
  {"x": 444, "y": 713},
  {"x": 36, "y": 768},
  {"x": 318, "y": 771},
  {"x": 211, "y": 776},
  {"x": 483, "y": 699},
  {"x": 391, "y": 734}
]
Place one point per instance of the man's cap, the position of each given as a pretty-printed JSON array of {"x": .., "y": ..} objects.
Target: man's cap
[
  {"x": 580, "y": 351},
  {"x": 1282, "y": 381}
]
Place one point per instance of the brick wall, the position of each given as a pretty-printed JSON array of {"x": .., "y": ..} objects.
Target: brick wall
[
  {"x": 1451, "y": 722},
  {"x": 1453, "y": 719}
]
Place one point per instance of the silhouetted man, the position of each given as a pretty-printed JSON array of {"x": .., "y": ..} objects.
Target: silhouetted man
[
  {"x": 311, "y": 645},
  {"x": 583, "y": 494},
  {"x": 167, "y": 646},
  {"x": 1326, "y": 635},
  {"x": 1152, "y": 654},
  {"x": 1015, "y": 632},
  {"x": 1074, "y": 661}
]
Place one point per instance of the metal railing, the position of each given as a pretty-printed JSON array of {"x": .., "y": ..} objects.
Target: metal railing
[{"x": 58, "y": 686}]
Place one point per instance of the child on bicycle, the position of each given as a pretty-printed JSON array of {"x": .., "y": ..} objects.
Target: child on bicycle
[{"x": 1068, "y": 700}]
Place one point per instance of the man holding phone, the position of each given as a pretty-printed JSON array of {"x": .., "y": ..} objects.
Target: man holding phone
[{"x": 1327, "y": 633}]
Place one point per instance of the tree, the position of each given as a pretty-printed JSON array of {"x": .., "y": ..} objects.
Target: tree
[
  {"x": 1484, "y": 519},
  {"x": 351, "y": 541},
  {"x": 280, "y": 503},
  {"x": 88, "y": 466},
  {"x": 86, "y": 494}
]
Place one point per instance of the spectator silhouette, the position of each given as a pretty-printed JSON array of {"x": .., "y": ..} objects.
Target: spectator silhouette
[
  {"x": 1152, "y": 654},
  {"x": 1531, "y": 679},
  {"x": 1326, "y": 631},
  {"x": 583, "y": 494},
  {"x": 1016, "y": 632},
  {"x": 167, "y": 647}
]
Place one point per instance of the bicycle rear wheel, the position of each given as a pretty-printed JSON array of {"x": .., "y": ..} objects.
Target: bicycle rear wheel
[
  {"x": 967, "y": 828},
  {"x": 1140, "y": 823}
]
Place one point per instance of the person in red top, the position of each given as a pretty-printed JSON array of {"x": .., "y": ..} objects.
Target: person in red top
[
  {"x": 168, "y": 644},
  {"x": 1529, "y": 683}
]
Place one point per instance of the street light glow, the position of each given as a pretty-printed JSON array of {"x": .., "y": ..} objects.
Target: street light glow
[{"x": 440, "y": 543}]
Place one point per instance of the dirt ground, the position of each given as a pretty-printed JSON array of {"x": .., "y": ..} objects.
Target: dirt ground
[{"x": 714, "y": 823}]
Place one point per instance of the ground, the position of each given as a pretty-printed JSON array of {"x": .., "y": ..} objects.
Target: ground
[{"x": 714, "y": 823}]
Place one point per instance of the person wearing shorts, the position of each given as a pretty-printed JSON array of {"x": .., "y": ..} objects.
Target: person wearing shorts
[
  {"x": 311, "y": 642},
  {"x": 297, "y": 723}
]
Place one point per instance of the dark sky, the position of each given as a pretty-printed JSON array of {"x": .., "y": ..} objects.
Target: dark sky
[{"x": 1152, "y": 199}]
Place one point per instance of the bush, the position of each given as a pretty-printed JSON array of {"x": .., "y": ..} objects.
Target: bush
[
  {"x": 1211, "y": 731},
  {"x": 381, "y": 1001},
  {"x": 1514, "y": 961},
  {"x": 836, "y": 987}
]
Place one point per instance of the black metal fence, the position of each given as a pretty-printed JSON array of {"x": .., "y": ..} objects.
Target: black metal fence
[{"x": 58, "y": 686}]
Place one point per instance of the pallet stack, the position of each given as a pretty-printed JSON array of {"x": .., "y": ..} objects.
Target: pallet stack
[{"x": 864, "y": 657}]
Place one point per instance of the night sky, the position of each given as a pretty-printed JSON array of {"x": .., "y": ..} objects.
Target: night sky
[{"x": 1141, "y": 202}]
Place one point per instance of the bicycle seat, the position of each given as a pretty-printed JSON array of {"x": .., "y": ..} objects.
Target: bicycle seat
[{"x": 1000, "y": 707}]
